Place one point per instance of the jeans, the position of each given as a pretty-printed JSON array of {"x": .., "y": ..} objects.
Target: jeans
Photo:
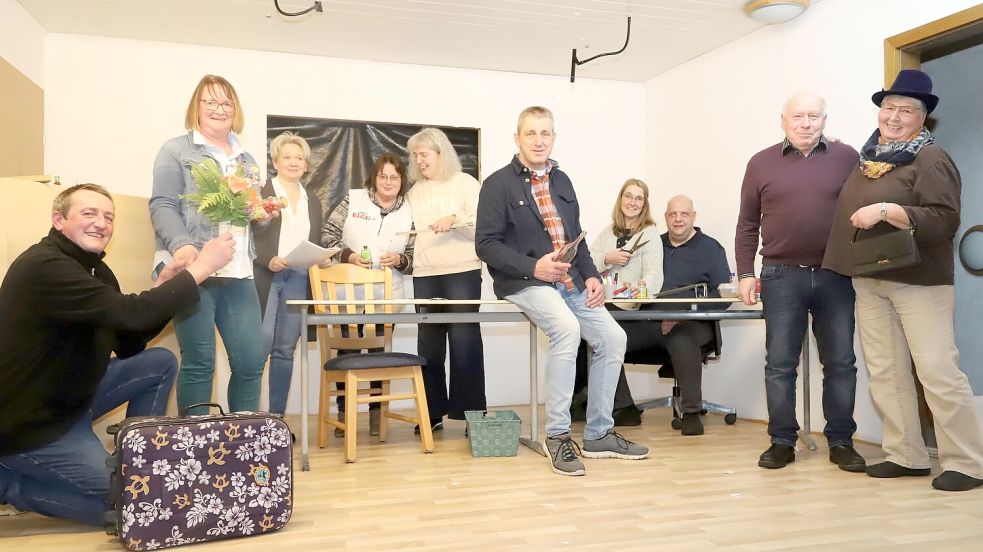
[
  {"x": 340, "y": 385},
  {"x": 564, "y": 317},
  {"x": 789, "y": 293},
  {"x": 281, "y": 329},
  {"x": 467, "y": 355},
  {"x": 622, "y": 393},
  {"x": 68, "y": 478},
  {"x": 232, "y": 305}
]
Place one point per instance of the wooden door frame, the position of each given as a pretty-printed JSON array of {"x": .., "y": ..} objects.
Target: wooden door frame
[{"x": 904, "y": 51}]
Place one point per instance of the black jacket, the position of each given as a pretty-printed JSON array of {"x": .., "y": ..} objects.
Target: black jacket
[
  {"x": 511, "y": 235},
  {"x": 61, "y": 315}
]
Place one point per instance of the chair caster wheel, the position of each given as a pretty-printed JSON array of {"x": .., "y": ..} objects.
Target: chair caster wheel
[
  {"x": 729, "y": 419},
  {"x": 676, "y": 423}
]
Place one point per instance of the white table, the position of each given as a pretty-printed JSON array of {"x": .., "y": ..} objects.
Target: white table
[{"x": 512, "y": 314}]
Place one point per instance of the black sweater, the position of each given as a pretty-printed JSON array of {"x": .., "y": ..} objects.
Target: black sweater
[{"x": 61, "y": 315}]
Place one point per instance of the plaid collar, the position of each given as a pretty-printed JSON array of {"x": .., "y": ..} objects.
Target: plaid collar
[{"x": 788, "y": 147}]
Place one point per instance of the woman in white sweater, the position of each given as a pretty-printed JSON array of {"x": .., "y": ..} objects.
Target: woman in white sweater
[
  {"x": 627, "y": 251},
  {"x": 444, "y": 203}
]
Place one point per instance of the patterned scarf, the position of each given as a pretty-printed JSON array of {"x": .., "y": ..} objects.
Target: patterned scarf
[{"x": 878, "y": 157}]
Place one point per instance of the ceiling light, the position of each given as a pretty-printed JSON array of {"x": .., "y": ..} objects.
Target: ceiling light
[{"x": 771, "y": 12}]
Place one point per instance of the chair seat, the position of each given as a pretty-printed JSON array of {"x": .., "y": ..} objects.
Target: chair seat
[{"x": 366, "y": 361}]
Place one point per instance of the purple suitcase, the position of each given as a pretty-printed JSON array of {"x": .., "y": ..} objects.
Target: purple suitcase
[{"x": 183, "y": 480}]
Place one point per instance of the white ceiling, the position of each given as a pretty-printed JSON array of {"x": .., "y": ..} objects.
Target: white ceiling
[{"x": 528, "y": 36}]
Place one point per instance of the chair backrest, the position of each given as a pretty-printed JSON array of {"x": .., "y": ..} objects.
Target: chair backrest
[{"x": 345, "y": 281}]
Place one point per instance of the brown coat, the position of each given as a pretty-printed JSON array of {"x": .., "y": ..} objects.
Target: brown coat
[{"x": 928, "y": 189}]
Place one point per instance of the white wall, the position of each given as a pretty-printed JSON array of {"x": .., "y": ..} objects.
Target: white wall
[
  {"x": 22, "y": 41},
  {"x": 706, "y": 118},
  {"x": 110, "y": 104}
]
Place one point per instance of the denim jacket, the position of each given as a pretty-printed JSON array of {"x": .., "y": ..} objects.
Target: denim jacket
[{"x": 177, "y": 221}]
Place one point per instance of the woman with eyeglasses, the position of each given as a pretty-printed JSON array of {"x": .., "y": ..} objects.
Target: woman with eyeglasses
[
  {"x": 229, "y": 301},
  {"x": 906, "y": 182},
  {"x": 276, "y": 281},
  {"x": 445, "y": 206},
  {"x": 626, "y": 251},
  {"x": 378, "y": 218}
]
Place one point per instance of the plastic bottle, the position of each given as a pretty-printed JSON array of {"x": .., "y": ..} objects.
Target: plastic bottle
[
  {"x": 643, "y": 292},
  {"x": 365, "y": 255}
]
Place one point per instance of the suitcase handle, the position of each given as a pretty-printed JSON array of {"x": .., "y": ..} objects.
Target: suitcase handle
[{"x": 196, "y": 405}]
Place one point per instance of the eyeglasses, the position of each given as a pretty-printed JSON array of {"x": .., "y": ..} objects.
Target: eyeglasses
[
  {"x": 633, "y": 198},
  {"x": 906, "y": 111},
  {"x": 388, "y": 178},
  {"x": 213, "y": 106}
]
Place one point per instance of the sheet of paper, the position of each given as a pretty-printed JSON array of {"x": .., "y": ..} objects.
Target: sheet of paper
[{"x": 307, "y": 254}]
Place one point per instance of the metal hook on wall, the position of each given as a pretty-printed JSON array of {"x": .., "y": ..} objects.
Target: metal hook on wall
[
  {"x": 316, "y": 7},
  {"x": 574, "y": 62}
]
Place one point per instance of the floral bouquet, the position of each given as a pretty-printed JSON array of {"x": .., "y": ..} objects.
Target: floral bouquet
[{"x": 233, "y": 198}]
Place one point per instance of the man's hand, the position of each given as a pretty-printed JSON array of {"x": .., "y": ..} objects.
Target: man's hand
[
  {"x": 216, "y": 253},
  {"x": 595, "y": 292},
  {"x": 168, "y": 272},
  {"x": 549, "y": 270},
  {"x": 186, "y": 254},
  {"x": 617, "y": 257},
  {"x": 277, "y": 264},
  {"x": 443, "y": 224},
  {"x": 668, "y": 325},
  {"x": 356, "y": 259},
  {"x": 746, "y": 290}
]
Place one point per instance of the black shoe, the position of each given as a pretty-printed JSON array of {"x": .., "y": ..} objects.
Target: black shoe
[
  {"x": 691, "y": 424},
  {"x": 627, "y": 416},
  {"x": 293, "y": 438},
  {"x": 847, "y": 458},
  {"x": 777, "y": 456},
  {"x": 955, "y": 481},
  {"x": 886, "y": 470},
  {"x": 434, "y": 426}
]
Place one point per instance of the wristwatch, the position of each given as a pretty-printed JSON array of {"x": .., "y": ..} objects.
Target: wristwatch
[{"x": 883, "y": 212}]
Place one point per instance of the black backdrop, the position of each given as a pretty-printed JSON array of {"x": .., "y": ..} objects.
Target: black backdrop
[{"x": 342, "y": 152}]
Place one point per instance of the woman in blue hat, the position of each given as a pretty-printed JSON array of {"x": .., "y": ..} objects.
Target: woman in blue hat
[{"x": 906, "y": 181}]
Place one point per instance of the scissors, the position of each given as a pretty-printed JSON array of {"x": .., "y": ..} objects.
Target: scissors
[{"x": 637, "y": 244}]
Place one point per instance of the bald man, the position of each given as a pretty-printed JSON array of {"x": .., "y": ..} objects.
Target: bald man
[{"x": 787, "y": 200}]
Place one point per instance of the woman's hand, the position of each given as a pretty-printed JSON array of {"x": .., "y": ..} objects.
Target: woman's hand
[
  {"x": 443, "y": 224},
  {"x": 356, "y": 259},
  {"x": 389, "y": 260},
  {"x": 278, "y": 263},
  {"x": 617, "y": 257},
  {"x": 185, "y": 255},
  {"x": 866, "y": 217}
]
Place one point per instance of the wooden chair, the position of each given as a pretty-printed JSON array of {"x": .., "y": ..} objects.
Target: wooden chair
[{"x": 347, "y": 281}]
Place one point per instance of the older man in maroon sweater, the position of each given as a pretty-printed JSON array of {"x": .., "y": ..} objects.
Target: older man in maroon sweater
[{"x": 787, "y": 199}]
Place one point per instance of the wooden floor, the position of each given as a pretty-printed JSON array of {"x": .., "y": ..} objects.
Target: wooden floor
[{"x": 693, "y": 493}]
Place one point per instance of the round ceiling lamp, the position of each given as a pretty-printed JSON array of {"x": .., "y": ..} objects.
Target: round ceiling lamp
[{"x": 775, "y": 11}]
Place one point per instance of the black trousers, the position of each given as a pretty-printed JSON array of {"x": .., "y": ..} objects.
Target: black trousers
[{"x": 684, "y": 344}]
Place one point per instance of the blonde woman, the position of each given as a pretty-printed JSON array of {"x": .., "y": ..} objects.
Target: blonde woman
[{"x": 444, "y": 203}]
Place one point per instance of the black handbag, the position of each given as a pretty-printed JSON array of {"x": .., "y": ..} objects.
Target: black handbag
[{"x": 883, "y": 252}]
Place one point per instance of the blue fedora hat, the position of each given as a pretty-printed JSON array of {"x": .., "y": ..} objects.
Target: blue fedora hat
[{"x": 913, "y": 84}]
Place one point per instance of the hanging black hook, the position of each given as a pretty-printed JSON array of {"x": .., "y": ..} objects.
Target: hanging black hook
[
  {"x": 574, "y": 62},
  {"x": 316, "y": 7}
]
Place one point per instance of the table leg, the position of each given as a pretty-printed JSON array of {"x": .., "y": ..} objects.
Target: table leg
[
  {"x": 305, "y": 463},
  {"x": 806, "y": 433},
  {"x": 533, "y": 440}
]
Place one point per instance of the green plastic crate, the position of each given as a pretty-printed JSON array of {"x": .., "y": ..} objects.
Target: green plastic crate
[{"x": 493, "y": 433}]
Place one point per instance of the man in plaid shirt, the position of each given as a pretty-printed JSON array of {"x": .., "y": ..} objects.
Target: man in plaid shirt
[{"x": 527, "y": 211}]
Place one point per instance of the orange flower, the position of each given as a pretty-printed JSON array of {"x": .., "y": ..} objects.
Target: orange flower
[{"x": 237, "y": 183}]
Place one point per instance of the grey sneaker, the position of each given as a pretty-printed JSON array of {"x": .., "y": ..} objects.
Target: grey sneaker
[
  {"x": 613, "y": 445},
  {"x": 562, "y": 453}
]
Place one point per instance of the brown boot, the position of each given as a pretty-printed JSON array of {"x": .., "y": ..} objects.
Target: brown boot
[
  {"x": 338, "y": 432},
  {"x": 375, "y": 418}
]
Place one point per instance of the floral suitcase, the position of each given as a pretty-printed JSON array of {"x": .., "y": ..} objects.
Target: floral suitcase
[{"x": 200, "y": 478}]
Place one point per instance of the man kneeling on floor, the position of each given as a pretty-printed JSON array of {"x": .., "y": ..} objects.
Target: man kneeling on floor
[
  {"x": 527, "y": 211},
  {"x": 61, "y": 315}
]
